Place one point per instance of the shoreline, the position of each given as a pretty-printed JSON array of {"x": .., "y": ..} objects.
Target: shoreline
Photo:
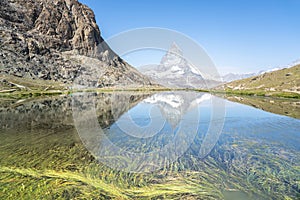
[{"x": 19, "y": 94}]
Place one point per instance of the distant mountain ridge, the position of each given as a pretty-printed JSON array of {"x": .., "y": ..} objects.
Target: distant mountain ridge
[{"x": 237, "y": 76}]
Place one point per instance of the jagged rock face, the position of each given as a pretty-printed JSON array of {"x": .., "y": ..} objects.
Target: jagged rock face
[
  {"x": 59, "y": 25},
  {"x": 35, "y": 36}
]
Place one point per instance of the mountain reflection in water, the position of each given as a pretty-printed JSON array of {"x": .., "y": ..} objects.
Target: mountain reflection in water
[{"x": 256, "y": 155}]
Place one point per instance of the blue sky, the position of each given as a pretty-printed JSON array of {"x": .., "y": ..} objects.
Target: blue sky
[{"x": 239, "y": 35}]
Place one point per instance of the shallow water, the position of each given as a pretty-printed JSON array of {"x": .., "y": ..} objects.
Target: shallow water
[{"x": 173, "y": 145}]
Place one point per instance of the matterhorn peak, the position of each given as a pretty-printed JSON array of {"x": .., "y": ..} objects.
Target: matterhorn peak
[
  {"x": 173, "y": 57},
  {"x": 174, "y": 49}
]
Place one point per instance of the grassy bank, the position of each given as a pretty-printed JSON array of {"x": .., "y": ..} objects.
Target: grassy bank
[
  {"x": 19, "y": 88},
  {"x": 20, "y": 94},
  {"x": 283, "y": 83},
  {"x": 260, "y": 93}
]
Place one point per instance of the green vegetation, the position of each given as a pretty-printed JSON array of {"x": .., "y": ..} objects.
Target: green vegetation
[
  {"x": 260, "y": 93},
  {"x": 28, "y": 84},
  {"x": 282, "y": 83},
  {"x": 57, "y": 166},
  {"x": 20, "y": 88}
]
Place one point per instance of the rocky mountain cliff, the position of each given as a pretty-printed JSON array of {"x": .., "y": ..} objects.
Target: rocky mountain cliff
[{"x": 59, "y": 40}]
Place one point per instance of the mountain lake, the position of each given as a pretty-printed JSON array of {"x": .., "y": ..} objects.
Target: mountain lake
[{"x": 146, "y": 145}]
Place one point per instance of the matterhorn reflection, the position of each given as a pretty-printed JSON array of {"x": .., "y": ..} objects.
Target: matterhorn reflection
[{"x": 149, "y": 135}]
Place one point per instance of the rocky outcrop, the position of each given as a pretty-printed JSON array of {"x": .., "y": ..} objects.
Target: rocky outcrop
[{"x": 38, "y": 38}]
